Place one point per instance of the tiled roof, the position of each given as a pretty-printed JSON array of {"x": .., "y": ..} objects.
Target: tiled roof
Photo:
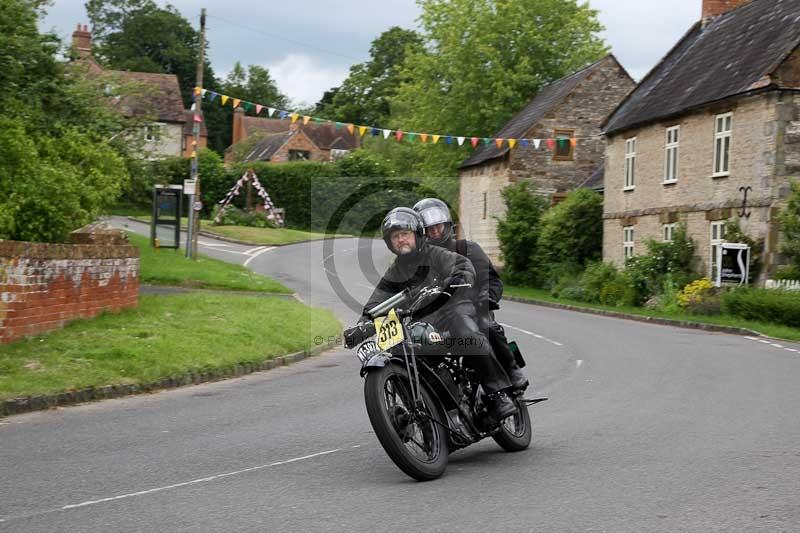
[
  {"x": 595, "y": 181},
  {"x": 264, "y": 149},
  {"x": 157, "y": 96},
  {"x": 548, "y": 98},
  {"x": 734, "y": 53},
  {"x": 326, "y": 136},
  {"x": 265, "y": 125}
]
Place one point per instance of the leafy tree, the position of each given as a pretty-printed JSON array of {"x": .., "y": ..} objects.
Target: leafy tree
[
  {"x": 790, "y": 226},
  {"x": 363, "y": 98},
  {"x": 254, "y": 85},
  {"x": 519, "y": 234},
  {"x": 485, "y": 59},
  {"x": 58, "y": 168},
  {"x": 572, "y": 231}
]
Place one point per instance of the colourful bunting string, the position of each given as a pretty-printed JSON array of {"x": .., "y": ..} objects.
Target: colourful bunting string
[{"x": 474, "y": 142}]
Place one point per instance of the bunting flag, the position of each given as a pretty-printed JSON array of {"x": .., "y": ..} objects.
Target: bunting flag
[{"x": 474, "y": 142}]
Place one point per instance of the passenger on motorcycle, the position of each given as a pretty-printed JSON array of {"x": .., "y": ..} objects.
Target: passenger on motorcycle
[
  {"x": 488, "y": 288},
  {"x": 419, "y": 265}
]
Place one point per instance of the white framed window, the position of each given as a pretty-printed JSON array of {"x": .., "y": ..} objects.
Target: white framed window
[
  {"x": 717, "y": 238},
  {"x": 627, "y": 242},
  {"x": 630, "y": 163},
  {"x": 671, "y": 154},
  {"x": 337, "y": 154},
  {"x": 669, "y": 232},
  {"x": 723, "y": 126},
  {"x": 153, "y": 131}
]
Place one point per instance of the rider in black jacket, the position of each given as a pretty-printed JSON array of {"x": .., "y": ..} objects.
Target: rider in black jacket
[
  {"x": 420, "y": 265},
  {"x": 488, "y": 288}
]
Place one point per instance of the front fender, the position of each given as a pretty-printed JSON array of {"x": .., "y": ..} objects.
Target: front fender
[{"x": 379, "y": 360}]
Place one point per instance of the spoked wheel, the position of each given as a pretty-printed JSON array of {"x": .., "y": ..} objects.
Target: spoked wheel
[
  {"x": 516, "y": 430},
  {"x": 416, "y": 444}
]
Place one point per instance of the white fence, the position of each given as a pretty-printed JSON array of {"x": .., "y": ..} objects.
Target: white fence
[{"x": 785, "y": 284}]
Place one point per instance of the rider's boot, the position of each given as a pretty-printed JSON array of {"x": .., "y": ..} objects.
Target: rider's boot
[{"x": 500, "y": 405}]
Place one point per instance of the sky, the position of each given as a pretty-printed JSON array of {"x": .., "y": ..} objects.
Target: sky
[{"x": 309, "y": 45}]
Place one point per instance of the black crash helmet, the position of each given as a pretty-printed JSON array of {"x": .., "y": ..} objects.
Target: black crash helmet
[
  {"x": 433, "y": 212},
  {"x": 403, "y": 218}
]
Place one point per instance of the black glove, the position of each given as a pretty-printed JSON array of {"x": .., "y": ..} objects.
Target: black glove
[{"x": 363, "y": 330}]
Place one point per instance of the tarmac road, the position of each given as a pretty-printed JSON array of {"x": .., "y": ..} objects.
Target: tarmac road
[{"x": 648, "y": 428}]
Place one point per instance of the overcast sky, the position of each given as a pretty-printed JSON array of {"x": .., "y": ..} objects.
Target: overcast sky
[{"x": 309, "y": 45}]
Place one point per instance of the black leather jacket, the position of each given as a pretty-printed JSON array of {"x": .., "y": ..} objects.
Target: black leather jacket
[
  {"x": 488, "y": 286},
  {"x": 431, "y": 266}
]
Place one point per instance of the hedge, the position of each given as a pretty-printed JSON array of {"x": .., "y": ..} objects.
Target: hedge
[{"x": 778, "y": 306}]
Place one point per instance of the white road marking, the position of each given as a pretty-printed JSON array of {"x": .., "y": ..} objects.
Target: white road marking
[
  {"x": 196, "y": 481},
  {"x": 252, "y": 250},
  {"x": 578, "y": 363},
  {"x": 257, "y": 254},
  {"x": 532, "y": 334},
  {"x": 773, "y": 344}
]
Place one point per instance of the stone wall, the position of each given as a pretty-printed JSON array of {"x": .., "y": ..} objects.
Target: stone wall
[
  {"x": 44, "y": 286},
  {"x": 489, "y": 179}
]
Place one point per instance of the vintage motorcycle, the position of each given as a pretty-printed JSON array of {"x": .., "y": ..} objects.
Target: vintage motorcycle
[{"x": 422, "y": 401}]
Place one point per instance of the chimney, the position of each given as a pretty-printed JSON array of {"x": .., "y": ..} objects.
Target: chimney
[
  {"x": 714, "y": 8},
  {"x": 239, "y": 132},
  {"x": 82, "y": 41}
]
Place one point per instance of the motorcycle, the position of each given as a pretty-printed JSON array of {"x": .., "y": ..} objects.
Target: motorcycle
[{"x": 422, "y": 401}]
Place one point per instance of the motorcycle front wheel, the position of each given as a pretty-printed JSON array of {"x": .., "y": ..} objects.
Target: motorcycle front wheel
[{"x": 413, "y": 440}]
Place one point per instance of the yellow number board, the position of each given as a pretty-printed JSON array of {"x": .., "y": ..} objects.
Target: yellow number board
[{"x": 390, "y": 331}]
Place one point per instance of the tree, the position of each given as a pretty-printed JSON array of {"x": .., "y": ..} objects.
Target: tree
[
  {"x": 519, "y": 233},
  {"x": 363, "y": 98},
  {"x": 485, "y": 59},
  {"x": 254, "y": 85},
  {"x": 58, "y": 168}
]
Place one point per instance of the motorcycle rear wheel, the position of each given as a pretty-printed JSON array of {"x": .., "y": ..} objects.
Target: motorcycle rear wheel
[
  {"x": 417, "y": 445},
  {"x": 516, "y": 430}
]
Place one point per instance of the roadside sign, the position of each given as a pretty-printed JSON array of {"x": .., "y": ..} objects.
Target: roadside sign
[
  {"x": 734, "y": 264},
  {"x": 189, "y": 187}
]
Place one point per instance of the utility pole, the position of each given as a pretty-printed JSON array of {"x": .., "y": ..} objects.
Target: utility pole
[{"x": 196, "y": 199}]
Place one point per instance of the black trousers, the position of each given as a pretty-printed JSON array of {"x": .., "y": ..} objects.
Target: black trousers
[
  {"x": 497, "y": 339},
  {"x": 467, "y": 340}
]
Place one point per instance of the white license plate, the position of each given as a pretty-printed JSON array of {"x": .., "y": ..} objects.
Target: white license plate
[{"x": 366, "y": 350}]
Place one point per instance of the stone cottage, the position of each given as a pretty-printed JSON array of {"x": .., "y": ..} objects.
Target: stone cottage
[
  {"x": 710, "y": 135},
  {"x": 572, "y": 107}
]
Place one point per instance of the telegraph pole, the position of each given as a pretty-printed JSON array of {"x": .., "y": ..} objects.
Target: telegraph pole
[{"x": 196, "y": 199}]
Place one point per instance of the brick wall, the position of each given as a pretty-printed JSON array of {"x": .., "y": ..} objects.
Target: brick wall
[
  {"x": 44, "y": 286},
  {"x": 300, "y": 141}
]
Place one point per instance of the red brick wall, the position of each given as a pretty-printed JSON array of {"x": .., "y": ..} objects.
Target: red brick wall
[
  {"x": 44, "y": 286},
  {"x": 300, "y": 141}
]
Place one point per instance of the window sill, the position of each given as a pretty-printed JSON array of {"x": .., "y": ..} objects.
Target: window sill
[
  {"x": 673, "y": 182},
  {"x": 628, "y": 189},
  {"x": 717, "y": 176}
]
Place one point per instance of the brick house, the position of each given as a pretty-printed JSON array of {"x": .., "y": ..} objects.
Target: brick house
[
  {"x": 156, "y": 97},
  {"x": 278, "y": 141},
  {"x": 718, "y": 116},
  {"x": 572, "y": 107}
]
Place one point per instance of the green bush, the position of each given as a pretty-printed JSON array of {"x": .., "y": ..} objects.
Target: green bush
[
  {"x": 777, "y": 306},
  {"x": 572, "y": 231},
  {"x": 595, "y": 277},
  {"x": 240, "y": 217},
  {"x": 519, "y": 233},
  {"x": 790, "y": 226},
  {"x": 788, "y": 272}
]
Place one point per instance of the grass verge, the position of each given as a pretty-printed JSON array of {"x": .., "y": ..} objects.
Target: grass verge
[
  {"x": 170, "y": 267},
  {"x": 765, "y": 328},
  {"x": 264, "y": 236},
  {"x": 165, "y": 336}
]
